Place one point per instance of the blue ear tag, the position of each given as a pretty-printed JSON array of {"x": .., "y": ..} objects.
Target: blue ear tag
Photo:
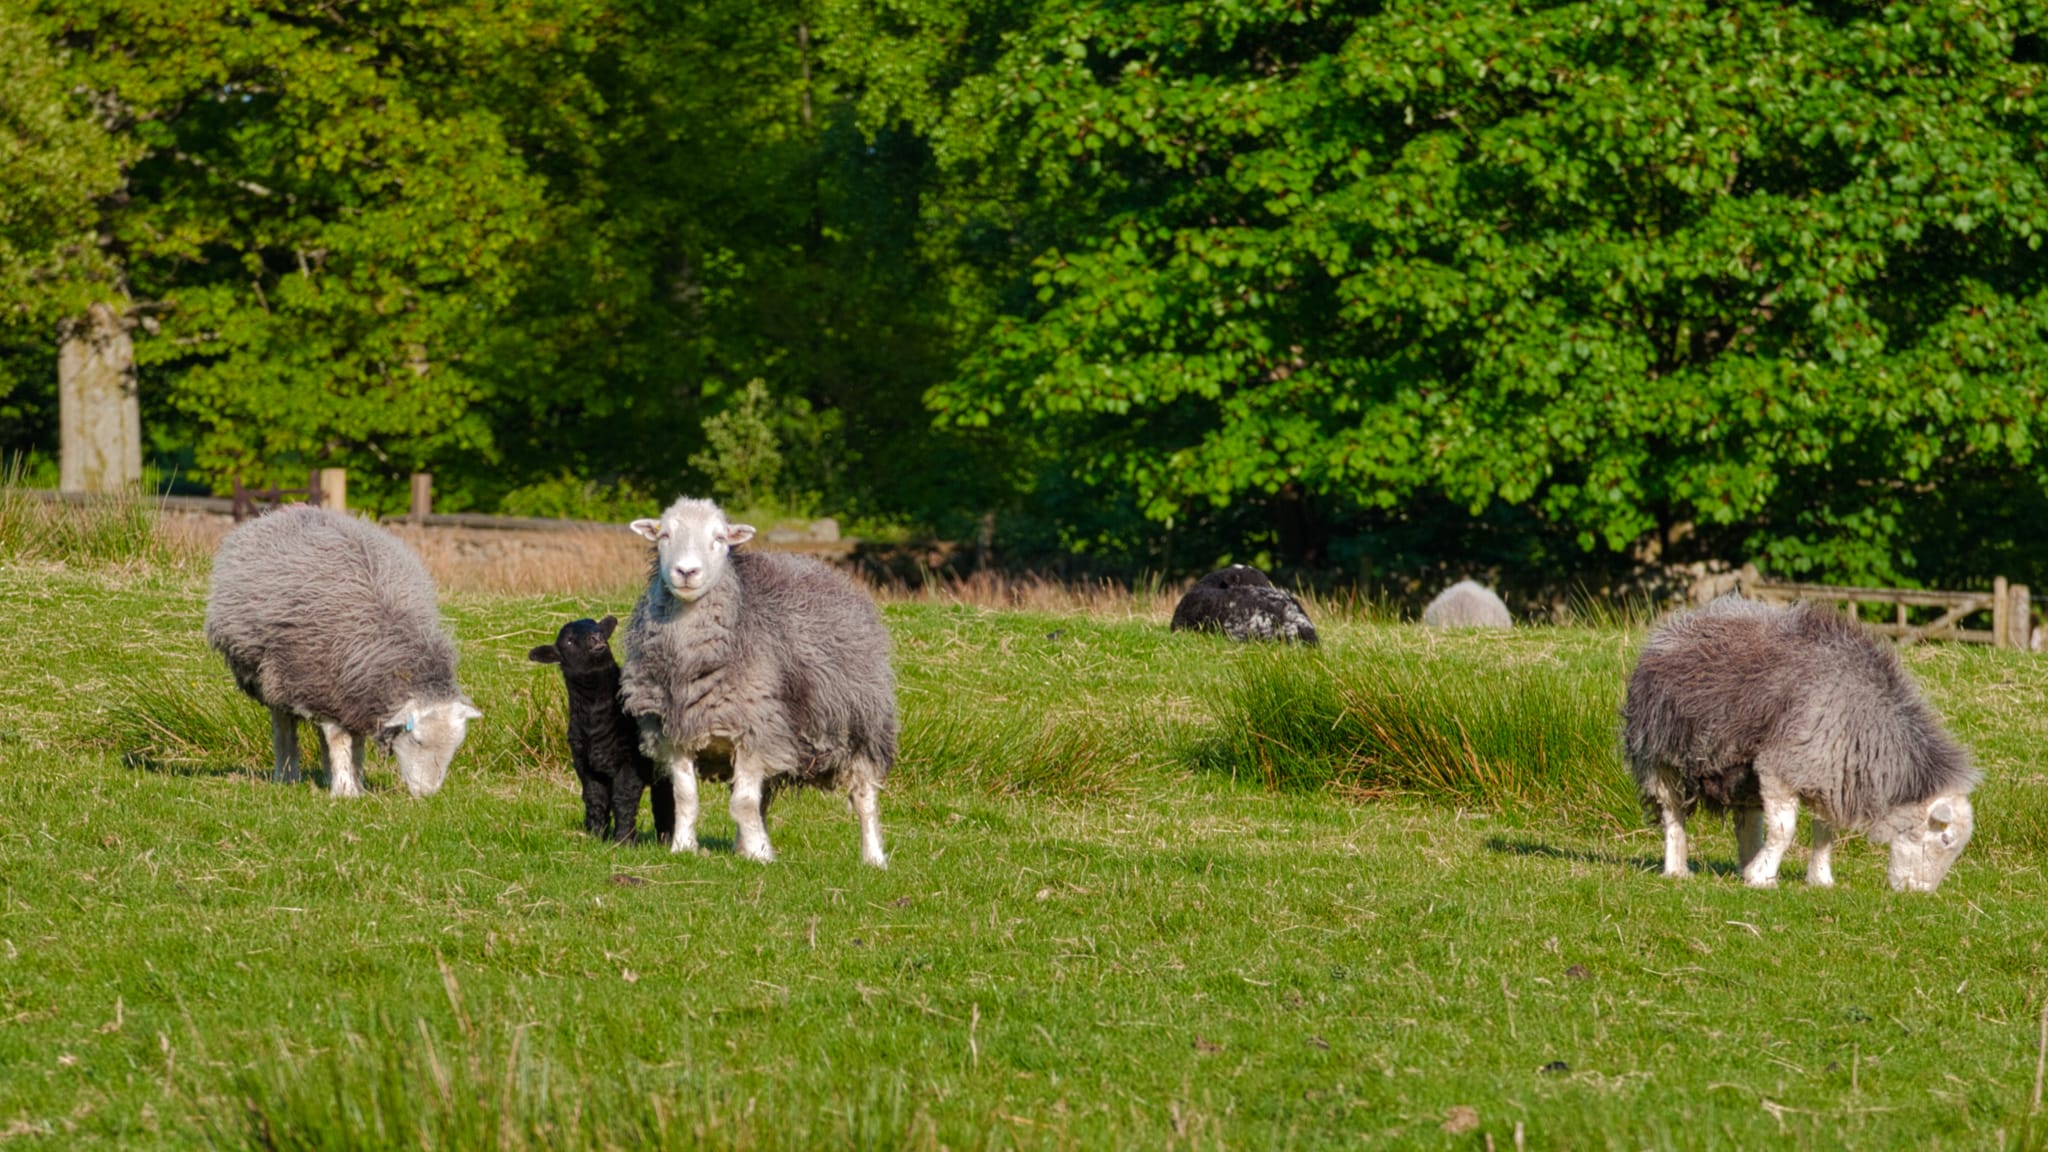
[{"x": 411, "y": 719}]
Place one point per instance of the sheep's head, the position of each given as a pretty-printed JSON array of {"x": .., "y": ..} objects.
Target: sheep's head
[
  {"x": 1926, "y": 838},
  {"x": 581, "y": 647},
  {"x": 692, "y": 541},
  {"x": 423, "y": 739}
]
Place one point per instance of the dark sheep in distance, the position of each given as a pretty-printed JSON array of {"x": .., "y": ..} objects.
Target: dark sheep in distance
[
  {"x": 323, "y": 616},
  {"x": 604, "y": 743},
  {"x": 774, "y": 663},
  {"x": 1750, "y": 709},
  {"x": 1240, "y": 602}
]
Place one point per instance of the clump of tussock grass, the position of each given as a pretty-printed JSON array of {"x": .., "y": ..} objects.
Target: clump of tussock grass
[
  {"x": 114, "y": 529},
  {"x": 487, "y": 1087},
  {"x": 191, "y": 727},
  {"x": 1471, "y": 720},
  {"x": 1151, "y": 598}
]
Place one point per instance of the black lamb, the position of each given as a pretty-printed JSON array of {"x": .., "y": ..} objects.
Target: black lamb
[{"x": 603, "y": 741}]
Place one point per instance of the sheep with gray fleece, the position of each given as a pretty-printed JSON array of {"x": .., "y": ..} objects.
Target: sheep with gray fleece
[
  {"x": 325, "y": 617},
  {"x": 771, "y": 667},
  {"x": 1467, "y": 604},
  {"x": 1750, "y": 709}
]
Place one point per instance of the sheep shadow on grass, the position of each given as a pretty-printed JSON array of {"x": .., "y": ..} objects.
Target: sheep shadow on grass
[{"x": 1505, "y": 846}]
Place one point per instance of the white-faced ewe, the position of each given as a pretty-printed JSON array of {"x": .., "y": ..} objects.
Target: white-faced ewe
[
  {"x": 770, "y": 666},
  {"x": 325, "y": 617},
  {"x": 604, "y": 743},
  {"x": 1240, "y": 602},
  {"x": 1467, "y": 604},
  {"x": 1750, "y": 709}
]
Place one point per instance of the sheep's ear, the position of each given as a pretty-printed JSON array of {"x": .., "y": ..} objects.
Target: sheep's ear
[
  {"x": 1942, "y": 812},
  {"x": 545, "y": 654},
  {"x": 648, "y": 528},
  {"x": 607, "y": 626},
  {"x": 467, "y": 711},
  {"x": 738, "y": 533},
  {"x": 402, "y": 720}
]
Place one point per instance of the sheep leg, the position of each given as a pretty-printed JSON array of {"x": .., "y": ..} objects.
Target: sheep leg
[
  {"x": 343, "y": 756},
  {"x": 625, "y": 801},
  {"x": 284, "y": 745},
  {"x": 661, "y": 797},
  {"x": 1820, "y": 864},
  {"x": 1749, "y": 835},
  {"x": 868, "y": 809},
  {"x": 597, "y": 804},
  {"x": 682, "y": 774},
  {"x": 750, "y": 808},
  {"x": 1663, "y": 791},
  {"x": 1781, "y": 821}
]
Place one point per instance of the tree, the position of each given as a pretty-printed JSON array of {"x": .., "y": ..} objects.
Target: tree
[
  {"x": 325, "y": 215},
  {"x": 1743, "y": 279},
  {"x": 55, "y": 164}
]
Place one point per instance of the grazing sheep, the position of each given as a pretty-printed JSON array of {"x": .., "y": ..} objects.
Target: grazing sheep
[
  {"x": 1467, "y": 604},
  {"x": 1752, "y": 709},
  {"x": 773, "y": 664},
  {"x": 1241, "y": 603},
  {"x": 604, "y": 743},
  {"x": 323, "y": 616}
]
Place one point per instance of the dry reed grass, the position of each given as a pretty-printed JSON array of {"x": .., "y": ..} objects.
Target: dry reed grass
[{"x": 1150, "y": 599}]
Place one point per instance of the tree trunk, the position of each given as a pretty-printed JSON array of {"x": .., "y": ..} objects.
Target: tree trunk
[{"x": 98, "y": 414}]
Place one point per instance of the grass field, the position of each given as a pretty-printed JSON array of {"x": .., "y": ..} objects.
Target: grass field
[{"x": 1147, "y": 891}]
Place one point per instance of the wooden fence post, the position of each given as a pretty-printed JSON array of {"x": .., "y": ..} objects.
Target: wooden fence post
[
  {"x": 2001, "y": 603},
  {"x": 333, "y": 485},
  {"x": 422, "y": 496},
  {"x": 2019, "y": 617}
]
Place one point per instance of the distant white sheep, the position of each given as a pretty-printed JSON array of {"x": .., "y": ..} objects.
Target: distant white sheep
[
  {"x": 325, "y": 617},
  {"x": 1745, "y": 708},
  {"x": 1467, "y": 604},
  {"x": 771, "y": 663}
]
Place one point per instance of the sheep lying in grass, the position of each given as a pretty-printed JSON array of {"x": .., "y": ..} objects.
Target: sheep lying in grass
[
  {"x": 774, "y": 664},
  {"x": 1753, "y": 709},
  {"x": 1240, "y": 602},
  {"x": 1467, "y": 604},
  {"x": 604, "y": 743},
  {"x": 326, "y": 617}
]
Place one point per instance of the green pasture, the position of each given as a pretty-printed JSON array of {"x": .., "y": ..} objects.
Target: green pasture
[{"x": 1146, "y": 891}]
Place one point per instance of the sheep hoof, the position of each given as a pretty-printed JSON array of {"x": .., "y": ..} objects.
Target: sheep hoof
[
  {"x": 1820, "y": 880},
  {"x": 1677, "y": 873},
  {"x": 683, "y": 845},
  {"x": 1761, "y": 881},
  {"x": 758, "y": 855}
]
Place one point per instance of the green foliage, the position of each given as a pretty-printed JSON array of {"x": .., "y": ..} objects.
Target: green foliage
[
  {"x": 328, "y": 216},
  {"x": 565, "y": 497},
  {"x": 1537, "y": 289},
  {"x": 740, "y": 455},
  {"x": 55, "y": 162},
  {"x": 1764, "y": 273}
]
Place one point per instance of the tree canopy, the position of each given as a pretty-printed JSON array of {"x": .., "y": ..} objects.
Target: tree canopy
[{"x": 1529, "y": 286}]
